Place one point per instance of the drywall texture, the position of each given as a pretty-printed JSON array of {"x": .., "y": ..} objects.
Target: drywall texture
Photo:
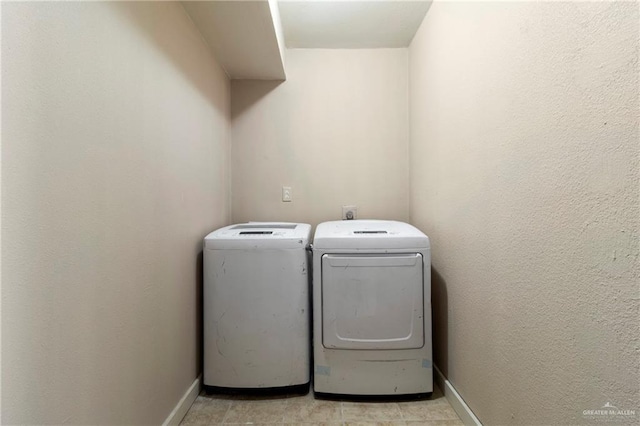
[
  {"x": 336, "y": 131},
  {"x": 524, "y": 173},
  {"x": 115, "y": 139}
]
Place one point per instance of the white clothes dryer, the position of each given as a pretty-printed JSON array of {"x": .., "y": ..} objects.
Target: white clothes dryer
[{"x": 371, "y": 309}]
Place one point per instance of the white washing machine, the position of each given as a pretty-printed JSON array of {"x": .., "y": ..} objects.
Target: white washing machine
[
  {"x": 371, "y": 309},
  {"x": 256, "y": 307}
]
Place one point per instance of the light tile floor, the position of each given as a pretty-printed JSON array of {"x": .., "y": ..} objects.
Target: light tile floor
[{"x": 306, "y": 410}]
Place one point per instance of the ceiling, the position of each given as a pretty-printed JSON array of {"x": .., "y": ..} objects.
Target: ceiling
[
  {"x": 249, "y": 36},
  {"x": 351, "y": 24}
]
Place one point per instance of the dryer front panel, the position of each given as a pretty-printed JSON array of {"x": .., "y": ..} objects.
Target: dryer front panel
[{"x": 373, "y": 301}]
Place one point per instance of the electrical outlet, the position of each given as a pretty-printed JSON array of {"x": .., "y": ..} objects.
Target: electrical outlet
[
  {"x": 287, "y": 194},
  {"x": 349, "y": 212}
]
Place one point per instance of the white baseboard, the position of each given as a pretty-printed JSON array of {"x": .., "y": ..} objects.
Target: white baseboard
[
  {"x": 461, "y": 408},
  {"x": 184, "y": 404}
]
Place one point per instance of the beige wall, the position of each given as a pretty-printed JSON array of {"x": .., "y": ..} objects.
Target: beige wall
[
  {"x": 524, "y": 172},
  {"x": 336, "y": 131},
  {"x": 115, "y": 138}
]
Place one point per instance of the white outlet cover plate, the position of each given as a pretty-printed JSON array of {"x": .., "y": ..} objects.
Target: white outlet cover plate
[{"x": 287, "y": 194}]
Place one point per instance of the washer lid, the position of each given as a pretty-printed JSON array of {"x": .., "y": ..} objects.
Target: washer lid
[
  {"x": 260, "y": 235},
  {"x": 368, "y": 235}
]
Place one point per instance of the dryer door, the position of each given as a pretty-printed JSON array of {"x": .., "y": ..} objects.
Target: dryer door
[{"x": 372, "y": 301}]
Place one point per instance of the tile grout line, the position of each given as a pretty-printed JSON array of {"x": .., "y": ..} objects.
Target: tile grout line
[
  {"x": 226, "y": 413},
  {"x": 397, "y": 406},
  {"x": 286, "y": 406},
  {"x": 401, "y": 413}
]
